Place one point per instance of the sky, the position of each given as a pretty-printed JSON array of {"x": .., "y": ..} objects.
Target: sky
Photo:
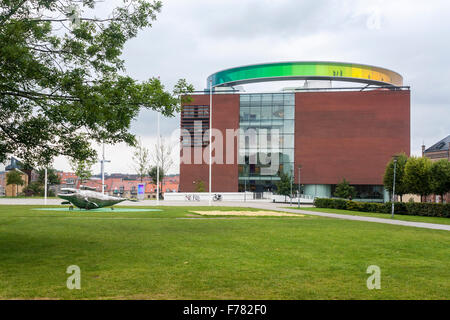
[{"x": 193, "y": 39}]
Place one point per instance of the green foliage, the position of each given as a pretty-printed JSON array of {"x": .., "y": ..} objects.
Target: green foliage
[
  {"x": 410, "y": 208},
  {"x": 418, "y": 175},
  {"x": 284, "y": 185},
  {"x": 35, "y": 188},
  {"x": 440, "y": 177},
  {"x": 388, "y": 179},
  {"x": 14, "y": 177},
  {"x": 199, "y": 186},
  {"x": 52, "y": 176},
  {"x": 62, "y": 79},
  {"x": 153, "y": 174},
  {"x": 344, "y": 190},
  {"x": 82, "y": 168}
]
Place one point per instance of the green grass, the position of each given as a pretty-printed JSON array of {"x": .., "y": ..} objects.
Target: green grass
[
  {"x": 157, "y": 255},
  {"x": 438, "y": 220}
]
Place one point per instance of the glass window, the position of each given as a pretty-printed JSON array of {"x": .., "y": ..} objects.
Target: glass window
[
  {"x": 255, "y": 100},
  {"x": 289, "y": 112},
  {"x": 244, "y": 113},
  {"x": 288, "y": 141},
  {"x": 278, "y": 98},
  {"x": 289, "y": 126},
  {"x": 254, "y": 114},
  {"x": 288, "y": 167},
  {"x": 288, "y": 155},
  {"x": 244, "y": 100},
  {"x": 266, "y": 112},
  {"x": 278, "y": 112},
  {"x": 266, "y": 100},
  {"x": 289, "y": 99}
]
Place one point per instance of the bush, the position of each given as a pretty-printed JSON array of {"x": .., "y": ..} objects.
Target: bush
[
  {"x": 353, "y": 206},
  {"x": 339, "y": 204},
  {"x": 410, "y": 208}
]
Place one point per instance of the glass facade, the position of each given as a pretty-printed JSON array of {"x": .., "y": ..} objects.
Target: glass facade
[{"x": 266, "y": 140}]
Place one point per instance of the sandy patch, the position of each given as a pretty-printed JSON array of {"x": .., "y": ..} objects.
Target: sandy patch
[{"x": 247, "y": 213}]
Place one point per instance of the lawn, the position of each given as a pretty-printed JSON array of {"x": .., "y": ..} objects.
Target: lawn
[
  {"x": 438, "y": 220},
  {"x": 175, "y": 254}
]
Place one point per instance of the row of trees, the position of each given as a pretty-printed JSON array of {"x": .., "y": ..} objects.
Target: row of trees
[
  {"x": 14, "y": 177},
  {"x": 418, "y": 175}
]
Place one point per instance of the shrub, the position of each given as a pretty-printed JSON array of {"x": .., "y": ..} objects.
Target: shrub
[
  {"x": 339, "y": 204},
  {"x": 410, "y": 208},
  {"x": 354, "y": 206}
]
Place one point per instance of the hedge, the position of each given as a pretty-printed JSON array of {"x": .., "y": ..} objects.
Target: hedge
[{"x": 410, "y": 208}]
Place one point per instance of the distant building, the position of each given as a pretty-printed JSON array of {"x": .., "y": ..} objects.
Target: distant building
[
  {"x": 28, "y": 174},
  {"x": 438, "y": 151}
]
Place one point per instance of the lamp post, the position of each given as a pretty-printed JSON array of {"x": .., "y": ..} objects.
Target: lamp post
[
  {"x": 210, "y": 137},
  {"x": 158, "y": 156},
  {"x": 245, "y": 190},
  {"x": 292, "y": 178},
  {"x": 393, "y": 188},
  {"x": 45, "y": 186},
  {"x": 299, "y": 186},
  {"x": 102, "y": 163}
]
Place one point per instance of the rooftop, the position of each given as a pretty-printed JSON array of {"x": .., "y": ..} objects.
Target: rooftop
[{"x": 440, "y": 146}]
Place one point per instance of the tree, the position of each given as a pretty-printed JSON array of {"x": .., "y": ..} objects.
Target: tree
[
  {"x": 418, "y": 176},
  {"x": 344, "y": 190},
  {"x": 199, "y": 186},
  {"x": 62, "y": 79},
  {"x": 34, "y": 188},
  {"x": 141, "y": 160},
  {"x": 440, "y": 178},
  {"x": 388, "y": 179},
  {"x": 153, "y": 174},
  {"x": 52, "y": 176},
  {"x": 284, "y": 185},
  {"x": 82, "y": 168},
  {"x": 14, "y": 177},
  {"x": 162, "y": 155}
]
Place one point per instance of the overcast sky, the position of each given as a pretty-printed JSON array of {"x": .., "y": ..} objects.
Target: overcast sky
[{"x": 192, "y": 39}]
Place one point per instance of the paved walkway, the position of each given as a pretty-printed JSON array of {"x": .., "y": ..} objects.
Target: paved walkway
[{"x": 258, "y": 204}]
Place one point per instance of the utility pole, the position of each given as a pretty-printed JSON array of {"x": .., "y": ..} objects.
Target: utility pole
[
  {"x": 245, "y": 190},
  {"x": 102, "y": 164},
  {"x": 210, "y": 138},
  {"x": 292, "y": 178},
  {"x": 157, "y": 164},
  {"x": 393, "y": 188},
  {"x": 299, "y": 190},
  {"x": 45, "y": 186}
]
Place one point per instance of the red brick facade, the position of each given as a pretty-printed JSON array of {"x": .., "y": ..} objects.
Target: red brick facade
[
  {"x": 346, "y": 134},
  {"x": 225, "y": 176},
  {"x": 350, "y": 134}
]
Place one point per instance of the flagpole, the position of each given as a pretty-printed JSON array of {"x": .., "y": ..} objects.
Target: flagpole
[
  {"x": 157, "y": 166},
  {"x": 210, "y": 138}
]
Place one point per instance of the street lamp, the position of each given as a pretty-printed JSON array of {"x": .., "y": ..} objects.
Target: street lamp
[
  {"x": 299, "y": 167},
  {"x": 292, "y": 178},
  {"x": 245, "y": 190},
  {"x": 393, "y": 188}
]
